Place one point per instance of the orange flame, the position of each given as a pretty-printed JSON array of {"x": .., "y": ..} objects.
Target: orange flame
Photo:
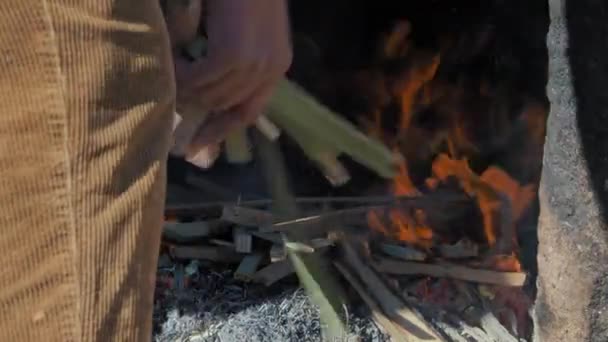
[{"x": 411, "y": 229}]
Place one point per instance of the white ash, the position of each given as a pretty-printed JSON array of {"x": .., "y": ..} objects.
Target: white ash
[{"x": 220, "y": 308}]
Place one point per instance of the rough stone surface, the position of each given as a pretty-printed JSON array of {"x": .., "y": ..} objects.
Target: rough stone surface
[{"x": 572, "y": 302}]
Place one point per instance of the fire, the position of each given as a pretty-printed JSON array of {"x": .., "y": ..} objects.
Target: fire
[
  {"x": 409, "y": 228},
  {"x": 500, "y": 198}
]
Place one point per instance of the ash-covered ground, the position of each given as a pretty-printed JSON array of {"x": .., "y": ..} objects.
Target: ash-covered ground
[{"x": 216, "y": 307}]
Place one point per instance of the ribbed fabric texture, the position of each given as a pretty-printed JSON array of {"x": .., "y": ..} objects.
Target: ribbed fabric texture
[{"x": 87, "y": 96}]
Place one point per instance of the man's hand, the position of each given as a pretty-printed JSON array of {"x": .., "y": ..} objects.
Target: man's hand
[{"x": 248, "y": 52}]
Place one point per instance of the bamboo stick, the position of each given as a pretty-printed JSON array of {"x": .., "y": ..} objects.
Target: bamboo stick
[
  {"x": 238, "y": 147},
  {"x": 292, "y": 107},
  {"x": 324, "y": 290}
]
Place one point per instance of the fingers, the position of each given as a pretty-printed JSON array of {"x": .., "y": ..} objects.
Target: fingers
[
  {"x": 254, "y": 106},
  {"x": 218, "y": 126},
  {"x": 213, "y": 131}
]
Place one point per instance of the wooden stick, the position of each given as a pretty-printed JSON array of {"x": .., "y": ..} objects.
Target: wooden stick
[
  {"x": 368, "y": 200},
  {"x": 322, "y": 221},
  {"x": 395, "y": 331},
  {"x": 273, "y": 272},
  {"x": 392, "y": 305},
  {"x": 460, "y": 250},
  {"x": 248, "y": 267},
  {"x": 346, "y": 217},
  {"x": 216, "y": 254},
  {"x": 223, "y": 243},
  {"x": 271, "y": 237},
  {"x": 445, "y": 270},
  {"x": 246, "y": 216},
  {"x": 188, "y": 231},
  {"x": 243, "y": 241},
  {"x": 402, "y": 252},
  {"x": 278, "y": 253}
]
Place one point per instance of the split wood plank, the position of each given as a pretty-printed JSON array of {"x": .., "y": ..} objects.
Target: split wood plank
[
  {"x": 445, "y": 270},
  {"x": 402, "y": 252},
  {"x": 188, "y": 231},
  {"x": 277, "y": 253},
  {"x": 396, "y": 332},
  {"x": 243, "y": 241},
  {"x": 274, "y": 272},
  {"x": 395, "y": 308},
  {"x": 248, "y": 266},
  {"x": 246, "y": 216},
  {"x": 210, "y": 253}
]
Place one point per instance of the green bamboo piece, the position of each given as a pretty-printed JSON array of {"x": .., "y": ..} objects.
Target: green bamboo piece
[
  {"x": 320, "y": 152},
  {"x": 320, "y": 284},
  {"x": 291, "y": 107},
  {"x": 309, "y": 122},
  {"x": 238, "y": 147}
]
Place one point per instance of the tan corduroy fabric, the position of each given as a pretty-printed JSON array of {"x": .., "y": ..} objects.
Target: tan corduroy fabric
[{"x": 86, "y": 98}]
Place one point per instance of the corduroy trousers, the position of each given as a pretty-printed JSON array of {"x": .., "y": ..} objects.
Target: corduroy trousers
[{"x": 86, "y": 97}]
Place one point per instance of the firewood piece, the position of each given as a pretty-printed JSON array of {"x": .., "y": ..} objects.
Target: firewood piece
[
  {"x": 433, "y": 204},
  {"x": 216, "y": 254},
  {"x": 248, "y": 267},
  {"x": 432, "y": 198},
  {"x": 246, "y": 216},
  {"x": 392, "y": 305},
  {"x": 278, "y": 253},
  {"x": 275, "y": 238},
  {"x": 402, "y": 252},
  {"x": 188, "y": 231},
  {"x": 321, "y": 243},
  {"x": 322, "y": 222},
  {"x": 273, "y": 272},
  {"x": 223, "y": 243},
  {"x": 446, "y": 270},
  {"x": 396, "y": 332},
  {"x": 460, "y": 250},
  {"x": 243, "y": 240}
]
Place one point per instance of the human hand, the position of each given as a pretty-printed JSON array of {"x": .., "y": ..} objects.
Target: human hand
[{"x": 248, "y": 52}]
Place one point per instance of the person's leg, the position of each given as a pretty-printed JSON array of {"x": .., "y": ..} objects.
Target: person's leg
[{"x": 86, "y": 100}]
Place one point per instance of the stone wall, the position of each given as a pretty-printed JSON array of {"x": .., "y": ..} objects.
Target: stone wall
[{"x": 572, "y": 303}]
